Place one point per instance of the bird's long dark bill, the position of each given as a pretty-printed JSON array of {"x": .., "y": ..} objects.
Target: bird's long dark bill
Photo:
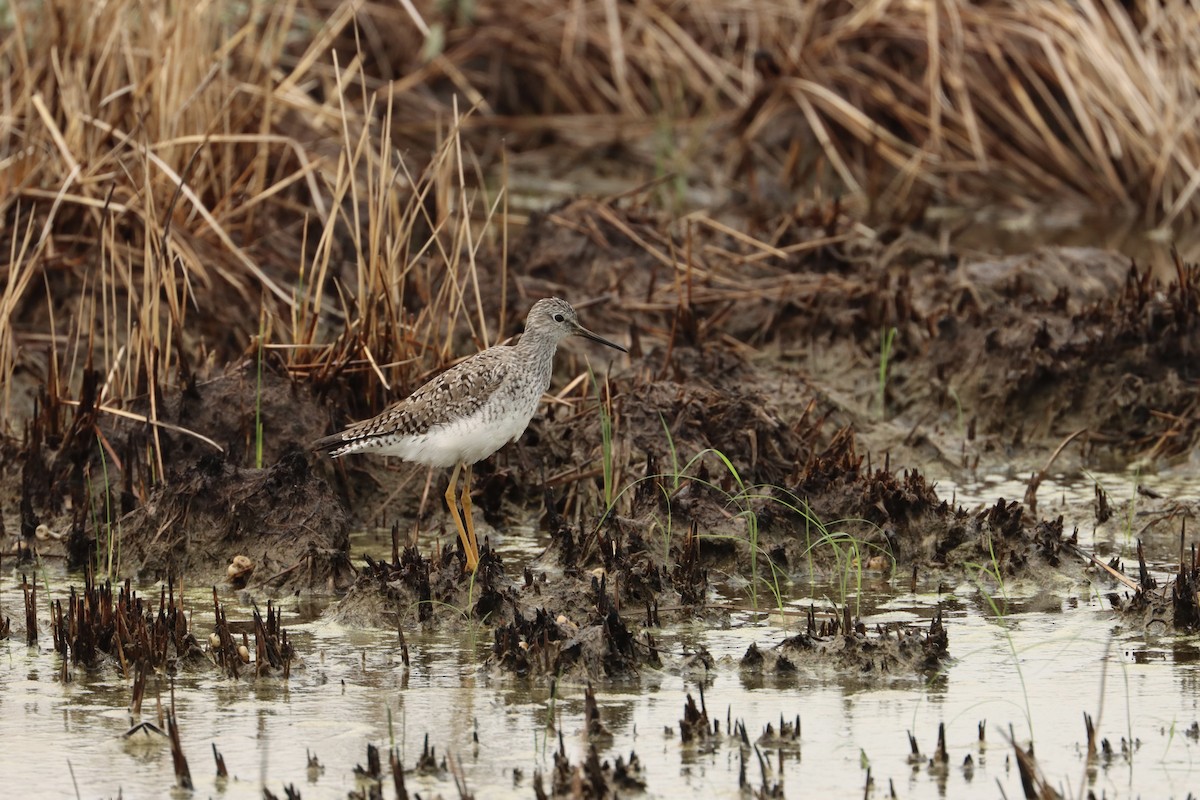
[{"x": 585, "y": 333}]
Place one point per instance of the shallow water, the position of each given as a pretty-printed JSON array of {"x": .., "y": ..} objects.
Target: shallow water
[{"x": 1051, "y": 658}]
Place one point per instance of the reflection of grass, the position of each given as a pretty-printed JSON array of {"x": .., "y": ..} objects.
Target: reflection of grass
[
  {"x": 1128, "y": 514},
  {"x": 991, "y": 570},
  {"x": 549, "y": 728}
]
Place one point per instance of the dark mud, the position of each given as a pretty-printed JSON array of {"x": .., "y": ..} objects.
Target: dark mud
[
  {"x": 80, "y": 477},
  {"x": 748, "y": 437},
  {"x": 284, "y": 518}
]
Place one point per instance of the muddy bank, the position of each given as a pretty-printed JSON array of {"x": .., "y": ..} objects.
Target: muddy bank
[
  {"x": 990, "y": 355},
  {"x": 746, "y": 434},
  {"x": 284, "y": 519},
  {"x": 837, "y": 644},
  {"x": 182, "y": 499},
  {"x": 730, "y": 452}
]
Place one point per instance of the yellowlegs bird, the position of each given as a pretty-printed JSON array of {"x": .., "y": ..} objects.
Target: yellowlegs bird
[{"x": 471, "y": 410}]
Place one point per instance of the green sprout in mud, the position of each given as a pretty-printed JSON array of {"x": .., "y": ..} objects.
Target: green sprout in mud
[
  {"x": 745, "y": 498},
  {"x": 847, "y": 549},
  {"x": 886, "y": 339},
  {"x": 606, "y": 439},
  {"x": 459, "y": 611}
]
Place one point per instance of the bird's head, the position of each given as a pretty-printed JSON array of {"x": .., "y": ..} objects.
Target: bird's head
[{"x": 556, "y": 318}]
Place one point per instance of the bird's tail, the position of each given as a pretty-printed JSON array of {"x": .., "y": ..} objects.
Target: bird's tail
[{"x": 333, "y": 446}]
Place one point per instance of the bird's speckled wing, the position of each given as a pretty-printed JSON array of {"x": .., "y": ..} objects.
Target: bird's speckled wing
[{"x": 456, "y": 393}]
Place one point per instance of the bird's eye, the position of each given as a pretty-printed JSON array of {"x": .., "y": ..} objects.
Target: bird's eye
[{"x": 559, "y": 318}]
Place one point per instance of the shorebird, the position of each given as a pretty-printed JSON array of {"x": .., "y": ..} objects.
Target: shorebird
[{"x": 471, "y": 410}]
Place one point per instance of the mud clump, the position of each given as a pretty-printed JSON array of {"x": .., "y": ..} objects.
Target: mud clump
[
  {"x": 284, "y": 517},
  {"x": 593, "y": 779},
  {"x": 889, "y": 651},
  {"x": 539, "y": 643},
  {"x": 1173, "y": 607},
  {"x": 901, "y": 518},
  {"x": 414, "y": 590}
]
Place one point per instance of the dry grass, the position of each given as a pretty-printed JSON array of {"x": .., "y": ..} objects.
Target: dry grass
[
  {"x": 891, "y": 102},
  {"x": 175, "y": 185},
  {"x": 176, "y": 181}
]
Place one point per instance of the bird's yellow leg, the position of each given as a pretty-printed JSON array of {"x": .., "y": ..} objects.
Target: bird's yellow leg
[
  {"x": 452, "y": 504},
  {"x": 469, "y": 516}
]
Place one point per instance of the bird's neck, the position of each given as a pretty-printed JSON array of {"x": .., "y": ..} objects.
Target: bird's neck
[
  {"x": 534, "y": 345},
  {"x": 537, "y": 352}
]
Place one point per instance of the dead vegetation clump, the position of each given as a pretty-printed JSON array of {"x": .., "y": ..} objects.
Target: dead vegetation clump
[
  {"x": 891, "y": 104},
  {"x": 900, "y": 519},
  {"x": 965, "y": 102},
  {"x": 1172, "y": 606},
  {"x": 413, "y": 589},
  {"x": 597, "y": 643},
  {"x": 593, "y": 779},
  {"x": 229, "y": 643},
  {"x": 889, "y": 651},
  {"x": 95, "y": 626}
]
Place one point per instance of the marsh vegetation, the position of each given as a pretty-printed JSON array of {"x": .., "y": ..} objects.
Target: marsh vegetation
[{"x": 910, "y": 402}]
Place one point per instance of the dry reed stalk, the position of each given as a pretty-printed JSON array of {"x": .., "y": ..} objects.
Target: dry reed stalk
[{"x": 423, "y": 241}]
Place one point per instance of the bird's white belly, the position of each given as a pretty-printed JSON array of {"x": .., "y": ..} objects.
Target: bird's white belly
[{"x": 467, "y": 440}]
